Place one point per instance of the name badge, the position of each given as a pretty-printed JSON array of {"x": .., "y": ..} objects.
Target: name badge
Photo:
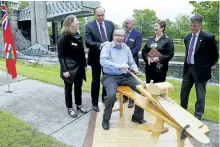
[
  {"x": 74, "y": 44},
  {"x": 131, "y": 40}
]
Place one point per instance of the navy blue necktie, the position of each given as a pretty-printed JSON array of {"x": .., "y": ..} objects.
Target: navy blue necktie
[
  {"x": 190, "y": 51},
  {"x": 104, "y": 39}
]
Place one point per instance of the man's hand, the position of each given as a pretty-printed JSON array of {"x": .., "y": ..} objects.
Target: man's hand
[
  {"x": 135, "y": 71},
  {"x": 66, "y": 74},
  {"x": 149, "y": 60},
  {"x": 124, "y": 67},
  {"x": 156, "y": 59}
]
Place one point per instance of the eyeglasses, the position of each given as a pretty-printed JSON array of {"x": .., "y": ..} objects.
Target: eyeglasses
[
  {"x": 119, "y": 35},
  {"x": 194, "y": 26}
]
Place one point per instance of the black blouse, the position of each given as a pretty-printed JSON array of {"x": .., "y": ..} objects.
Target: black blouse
[
  {"x": 72, "y": 46},
  {"x": 164, "y": 45}
]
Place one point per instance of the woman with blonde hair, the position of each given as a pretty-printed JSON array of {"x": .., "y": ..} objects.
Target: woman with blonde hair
[{"x": 72, "y": 63}]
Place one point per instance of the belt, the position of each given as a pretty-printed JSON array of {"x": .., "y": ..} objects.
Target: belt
[{"x": 124, "y": 74}]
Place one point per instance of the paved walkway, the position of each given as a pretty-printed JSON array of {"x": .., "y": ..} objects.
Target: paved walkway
[{"x": 42, "y": 105}]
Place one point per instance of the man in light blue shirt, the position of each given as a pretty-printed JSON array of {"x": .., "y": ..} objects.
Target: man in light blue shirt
[{"x": 116, "y": 58}]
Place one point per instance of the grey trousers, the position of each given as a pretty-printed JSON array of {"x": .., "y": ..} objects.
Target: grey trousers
[
  {"x": 110, "y": 83},
  {"x": 187, "y": 83}
]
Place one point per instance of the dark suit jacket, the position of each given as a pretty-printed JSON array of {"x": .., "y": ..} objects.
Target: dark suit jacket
[
  {"x": 71, "y": 46},
  {"x": 93, "y": 40},
  {"x": 134, "y": 42},
  {"x": 206, "y": 54}
]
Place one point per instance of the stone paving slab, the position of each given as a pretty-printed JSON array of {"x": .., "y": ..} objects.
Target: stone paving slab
[
  {"x": 42, "y": 105},
  {"x": 4, "y": 80},
  {"x": 74, "y": 134}
]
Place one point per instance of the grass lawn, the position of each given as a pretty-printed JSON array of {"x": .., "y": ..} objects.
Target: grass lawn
[
  {"x": 50, "y": 74},
  {"x": 15, "y": 133}
]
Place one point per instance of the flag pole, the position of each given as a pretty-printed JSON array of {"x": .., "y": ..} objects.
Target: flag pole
[{"x": 9, "y": 91}]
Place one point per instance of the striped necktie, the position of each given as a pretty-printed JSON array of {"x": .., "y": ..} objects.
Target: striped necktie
[
  {"x": 104, "y": 39},
  {"x": 190, "y": 51}
]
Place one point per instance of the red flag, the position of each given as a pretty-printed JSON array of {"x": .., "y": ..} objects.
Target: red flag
[{"x": 10, "y": 49}]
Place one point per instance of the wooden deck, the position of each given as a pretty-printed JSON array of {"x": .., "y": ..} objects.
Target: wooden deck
[{"x": 124, "y": 133}]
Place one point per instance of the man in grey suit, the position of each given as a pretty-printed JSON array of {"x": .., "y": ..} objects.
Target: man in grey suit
[
  {"x": 201, "y": 55},
  {"x": 96, "y": 33}
]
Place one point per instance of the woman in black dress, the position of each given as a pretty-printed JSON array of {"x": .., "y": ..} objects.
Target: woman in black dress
[
  {"x": 72, "y": 63},
  {"x": 157, "y": 66}
]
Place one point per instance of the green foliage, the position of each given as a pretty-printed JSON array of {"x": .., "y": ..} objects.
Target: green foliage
[
  {"x": 50, "y": 30},
  {"x": 171, "y": 29},
  {"x": 182, "y": 25},
  {"x": 178, "y": 28},
  {"x": 145, "y": 19},
  {"x": 210, "y": 12},
  {"x": 82, "y": 23},
  {"x": 23, "y": 4}
]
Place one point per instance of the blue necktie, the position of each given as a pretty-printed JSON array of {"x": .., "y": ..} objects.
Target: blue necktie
[
  {"x": 104, "y": 39},
  {"x": 190, "y": 51}
]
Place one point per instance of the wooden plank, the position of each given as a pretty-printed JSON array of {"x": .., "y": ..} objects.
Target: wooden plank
[
  {"x": 144, "y": 103},
  {"x": 90, "y": 131},
  {"x": 171, "y": 108},
  {"x": 124, "y": 133}
]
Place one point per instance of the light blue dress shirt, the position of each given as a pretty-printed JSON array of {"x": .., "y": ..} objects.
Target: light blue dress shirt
[{"x": 112, "y": 57}]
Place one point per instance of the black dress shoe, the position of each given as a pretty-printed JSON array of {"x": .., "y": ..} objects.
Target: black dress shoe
[
  {"x": 130, "y": 104},
  {"x": 96, "y": 108},
  {"x": 198, "y": 117},
  {"x": 105, "y": 124},
  {"x": 141, "y": 121},
  {"x": 72, "y": 112},
  {"x": 81, "y": 109}
]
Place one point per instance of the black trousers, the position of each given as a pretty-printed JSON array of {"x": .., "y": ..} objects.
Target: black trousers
[
  {"x": 155, "y": 74},
  {"x": 110, "y": 83},
  {"x": 187, "y": 83},
  {"x": 95, "y": 85},
  {"x": 77, "y": 92}
]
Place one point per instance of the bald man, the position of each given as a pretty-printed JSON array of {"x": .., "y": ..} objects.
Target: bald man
[
  {"x": 96, "y": 33},
  {"x": 133, "y": 39}
]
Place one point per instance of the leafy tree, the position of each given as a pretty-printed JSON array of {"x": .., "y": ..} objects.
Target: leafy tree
[
  {"x": 24, "y": 4},
  {"x": 145, "y": 20},
  {"x": 182, "y": 25},
  {"x": 210, "y": 12},
  {"x": 171, "y": 29}
]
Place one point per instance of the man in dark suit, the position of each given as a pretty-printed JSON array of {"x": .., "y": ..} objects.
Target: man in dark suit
[
  {"x": 96, "y": 33},
  {"x": 133, "y": 39},
  {"x": 201, "y": 55}
]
